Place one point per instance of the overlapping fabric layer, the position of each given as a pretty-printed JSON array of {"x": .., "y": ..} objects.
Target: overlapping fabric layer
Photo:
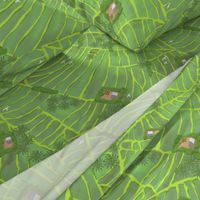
[{"x": 66, "y": 66}]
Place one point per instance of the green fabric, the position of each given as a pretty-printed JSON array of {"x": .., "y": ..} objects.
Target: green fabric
[
  {"x": 137, "y": 167},
  {"x": 57, "y": 58},
  {"x": 59, "y": 171}
]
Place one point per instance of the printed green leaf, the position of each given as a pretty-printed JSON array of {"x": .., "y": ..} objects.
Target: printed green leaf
[
  {"x": 143, "y": 163},
  {"x": 139, "y": 22},
  {"x": 72, "y": 70}
]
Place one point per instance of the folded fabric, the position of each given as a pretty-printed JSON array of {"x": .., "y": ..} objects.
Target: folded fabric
[{"x": 99, "y": 99}]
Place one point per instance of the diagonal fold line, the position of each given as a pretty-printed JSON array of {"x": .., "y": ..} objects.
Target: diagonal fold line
[{"x": 67, "y": 165}]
